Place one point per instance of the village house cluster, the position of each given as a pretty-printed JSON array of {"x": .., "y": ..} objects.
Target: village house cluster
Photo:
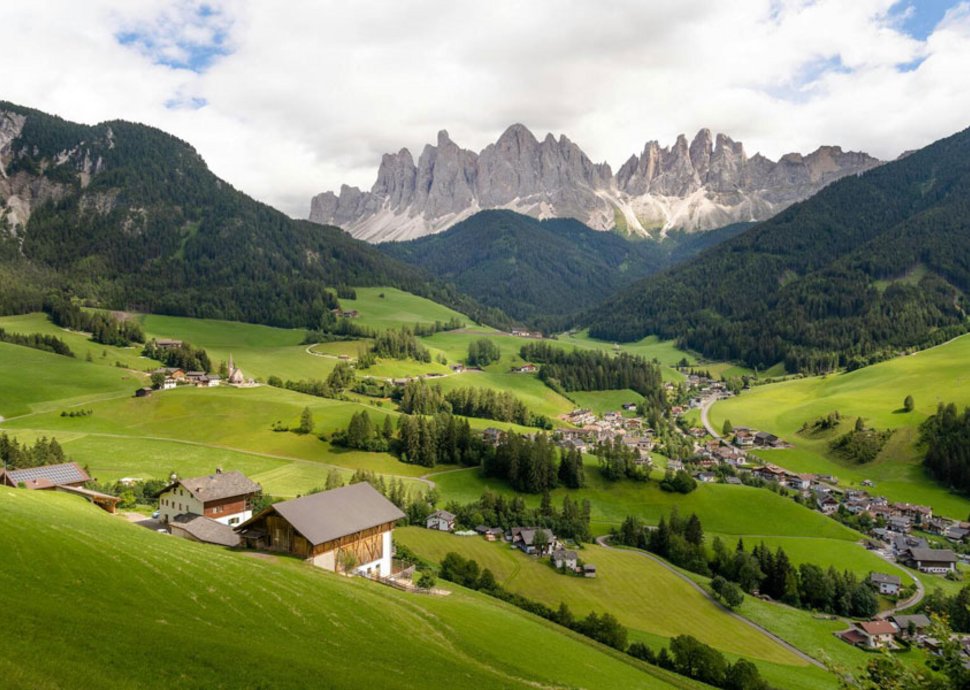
[
  {"x": 533, "y": 541},
  {"x": 173, "y": 377},
  {"x": 591, "y": 429}
]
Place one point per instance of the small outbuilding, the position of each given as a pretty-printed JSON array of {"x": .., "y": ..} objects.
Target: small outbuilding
[{"x": 441, "y": 520}]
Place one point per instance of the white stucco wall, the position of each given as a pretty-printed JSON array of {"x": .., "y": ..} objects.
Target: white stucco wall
[{"x": 169, "y": 504}]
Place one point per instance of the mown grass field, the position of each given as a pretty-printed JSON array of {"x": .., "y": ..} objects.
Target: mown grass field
[
  {"x": 605, "y": 401},
  {"x": 382, "y": 308},
  {"x": 724, "y": 509},
  {"x": 80, "y": 343},
  {"x": 30, "y": 379},
  {"x": 99, "y": 602},
  {"x": 876, "y": 394},
  {"x": 642, "y": 594}
]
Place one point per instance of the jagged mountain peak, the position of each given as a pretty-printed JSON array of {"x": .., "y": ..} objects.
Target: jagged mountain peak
[{"x": 697, "y": 184}]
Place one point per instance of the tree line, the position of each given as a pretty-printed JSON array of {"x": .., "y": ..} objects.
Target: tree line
[
  {"x": 946, "y": 437},
  {"x": 594, "y": 370},
  {"x": 807, "y": 586},
  {"x": 44, "y": 451},
  {"x": 37, "y": 341},
  {"x": 183, "y": 356},
  {"x": 104, "y": 328}
]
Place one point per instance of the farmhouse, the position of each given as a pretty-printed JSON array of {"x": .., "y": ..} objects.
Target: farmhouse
[
  {"x": 167, "y": 343},
  {"x": 877, "y": 634},
  {"x": 934, "y": 561},
  {"x": 68, "y": 477},
  {"x": 441, "y": 520},
  {"x": 343, "y": 530},
  {"x": 534, "y": 541},
  {"x": 912, "y": 625},
  {"x": 564, "y": 559},
  {"x": 525, "y": 369},
  {"x": 225, "y": 497},
  {"x": 886, "y": 584}
]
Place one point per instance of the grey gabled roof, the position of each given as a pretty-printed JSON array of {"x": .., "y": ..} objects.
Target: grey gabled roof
[
  {"x": 883, "y": 578},
  {"x": 206, "y": 529},
  {"x": 938, "y": 555},
  {"x": 443, "y": 515},
  {"x": 918, "y": 619},
  {"x": 333, "y": 514},
  {"x": 220, "y": 485}
]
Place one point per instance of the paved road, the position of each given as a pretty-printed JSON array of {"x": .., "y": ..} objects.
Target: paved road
[
  {"x": 906, "y": 603},
  {"x": 705, "y": 420},
  {"x": 604, "y": 542}
]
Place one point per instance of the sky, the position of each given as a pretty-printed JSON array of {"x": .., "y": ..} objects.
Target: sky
[{"x": 286, "y": 100}]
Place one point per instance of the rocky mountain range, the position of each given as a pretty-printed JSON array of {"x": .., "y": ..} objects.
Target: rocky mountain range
[{"x": 706, "y": 183}]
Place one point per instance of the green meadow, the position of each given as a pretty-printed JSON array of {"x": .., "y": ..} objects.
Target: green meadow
[
  {"x": 717, "y": 505},
  {"x": 30, "y": 379},
  {"x": 113, "y": 602},
  {"x": 382, "y": 308},
  {"x": 641, "y": 593},
  {"x": 876, "y": 395}
]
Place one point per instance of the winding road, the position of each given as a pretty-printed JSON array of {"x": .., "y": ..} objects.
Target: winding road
[
  {"x": 604, "y": 542},
  {"x": 705, "y": 419}
]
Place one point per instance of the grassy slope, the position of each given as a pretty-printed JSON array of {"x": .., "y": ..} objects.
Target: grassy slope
[
  {"x": 80, "y": 343},
  {"x": 764, "y": 513},
  {"x": 395, "y": 308},
  {"x": 642, "y": 594},
  {"x": 29, "y": 378},
  {"x": 651, "y": 601},
  {"x": 172, "y": 613},
  {"x": 876, "y": 394}
]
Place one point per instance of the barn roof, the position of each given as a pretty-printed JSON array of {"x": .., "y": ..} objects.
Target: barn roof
[
  {"x": 333, "y": 514},
  {"x": 46, "y": 476}
]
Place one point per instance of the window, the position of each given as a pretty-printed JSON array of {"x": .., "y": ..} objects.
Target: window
[{"x": 233, "y": 521}]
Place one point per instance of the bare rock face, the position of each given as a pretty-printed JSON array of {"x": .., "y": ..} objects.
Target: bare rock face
[
  {"x": 22, "y": 190},
  {"x": 706, "y": 183}
]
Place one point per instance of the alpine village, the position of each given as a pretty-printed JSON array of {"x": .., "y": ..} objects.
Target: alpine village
[{"x": 508, "y": 417}]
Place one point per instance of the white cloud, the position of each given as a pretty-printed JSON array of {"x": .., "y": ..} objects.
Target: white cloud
[{"x": 309, "y": 94}]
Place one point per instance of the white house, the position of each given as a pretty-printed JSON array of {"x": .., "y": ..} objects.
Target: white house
[
  {"x": 441, "y": 520},
  {"x": 225, "y": 497},
  {"x": 886, "y": 584}
]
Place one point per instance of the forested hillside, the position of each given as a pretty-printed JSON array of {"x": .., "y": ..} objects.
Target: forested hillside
[
  {"x": 130, "y": 217},
  {"x": 540, "y": 271},
  {"x": 871, "y": 265}
]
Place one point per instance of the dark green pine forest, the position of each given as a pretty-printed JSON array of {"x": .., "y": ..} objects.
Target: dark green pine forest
[
  {"x": 132, "y": 218},
  {"x": 870, "y": 266},
  {"x": 543, "y": 272}
]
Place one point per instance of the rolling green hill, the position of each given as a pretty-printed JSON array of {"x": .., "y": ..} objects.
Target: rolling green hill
[
  {"x": 131, "y": 218},
  {"x": 871, "y": 265},
  {"x": 99, "y": 602},
  {"x": 876, "y": 394}
]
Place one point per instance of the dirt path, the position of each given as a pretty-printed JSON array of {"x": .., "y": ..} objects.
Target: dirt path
[{"x": 604, "y": 542}]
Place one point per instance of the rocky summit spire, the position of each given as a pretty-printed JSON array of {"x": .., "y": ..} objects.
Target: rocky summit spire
[{"x": 705, "y": 183}]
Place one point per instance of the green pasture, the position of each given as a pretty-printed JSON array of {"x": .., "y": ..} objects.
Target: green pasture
[
  {"x": 97, "y": 602},
  {"x": 876, "y": 394},
  {"x": 384, "y": 307},
  {"x": 642, "y": 594},
  {"x": 30, "y": 379}
]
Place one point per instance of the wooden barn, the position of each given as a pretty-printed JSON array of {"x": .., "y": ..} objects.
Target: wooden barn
[{"x": 344, "y": 530}]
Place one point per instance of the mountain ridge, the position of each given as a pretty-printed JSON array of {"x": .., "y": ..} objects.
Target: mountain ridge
[
  {"x": 130, "y": 217},
  {"x": 872, "y": 265},
  {"x": 699, "y": 185}
]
